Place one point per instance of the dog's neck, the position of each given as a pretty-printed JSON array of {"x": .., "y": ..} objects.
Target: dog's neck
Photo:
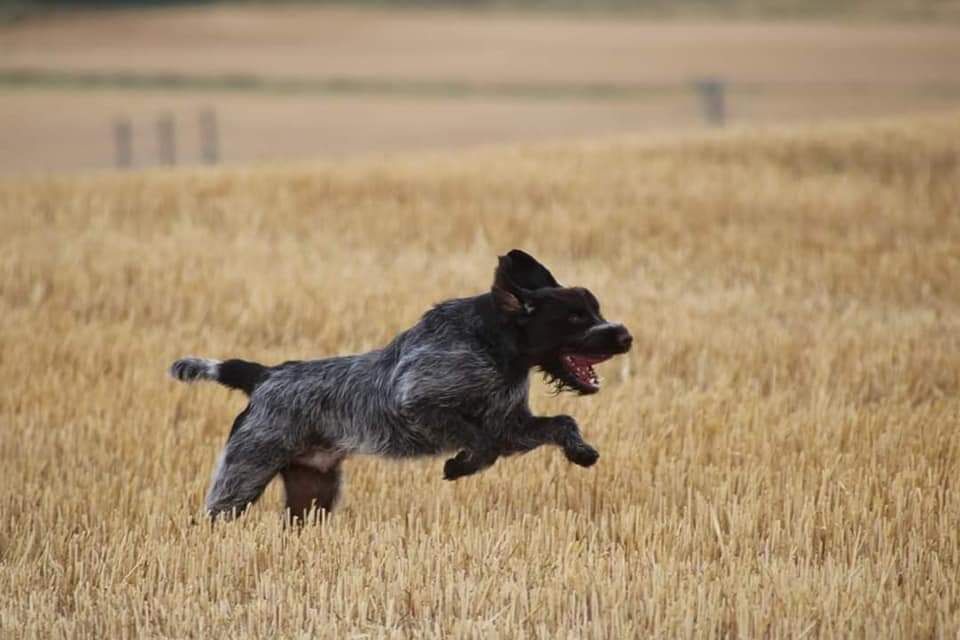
[{"x": 502, "y": 338}]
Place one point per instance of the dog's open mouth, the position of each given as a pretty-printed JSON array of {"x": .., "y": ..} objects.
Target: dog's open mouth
[{"x": 581, "y": 368}]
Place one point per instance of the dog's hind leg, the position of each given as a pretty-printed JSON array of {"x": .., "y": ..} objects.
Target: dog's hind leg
[
  {"x": 307, "y": 487},
  {"x": 236, "y": 485},
  {"x": 248, "y": 463}
]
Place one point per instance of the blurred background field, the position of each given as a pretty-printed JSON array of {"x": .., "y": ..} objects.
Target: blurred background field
[{"x": 294, "y": 81}]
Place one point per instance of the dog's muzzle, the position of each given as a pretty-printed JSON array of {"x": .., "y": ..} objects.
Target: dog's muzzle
[{"x": 608, "y": 338}]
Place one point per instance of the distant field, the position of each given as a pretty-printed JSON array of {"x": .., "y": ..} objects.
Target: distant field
[
  {"x": 441, "y": 45},
  {"x": 780, "y": 452},
  {"x": 75, "y": 130},
  {"x": 386, "y": 81}
]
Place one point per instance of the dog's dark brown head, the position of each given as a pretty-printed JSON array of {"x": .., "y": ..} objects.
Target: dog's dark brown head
[{"x": 560, "y": 328}]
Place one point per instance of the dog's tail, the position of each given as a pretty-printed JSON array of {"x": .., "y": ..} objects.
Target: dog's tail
[{"x": 236, "y": 374}]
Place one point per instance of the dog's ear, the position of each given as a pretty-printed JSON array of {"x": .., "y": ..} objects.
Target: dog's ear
[
  {"x": 524, "y": 270},
  {"x": 517, "y": 276}
]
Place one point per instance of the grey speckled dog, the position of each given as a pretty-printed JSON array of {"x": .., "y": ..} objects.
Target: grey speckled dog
[{"x": 457, "y": 381}]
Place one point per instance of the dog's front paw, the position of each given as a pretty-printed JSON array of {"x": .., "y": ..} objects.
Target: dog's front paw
[
  {"x": 456, "y": 467},
  {"x": 582, "y": 454}
]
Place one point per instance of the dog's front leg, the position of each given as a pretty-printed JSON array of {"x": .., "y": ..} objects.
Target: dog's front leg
[
  {"x": 561, "y": 431},
  {"x": 478, "y": 449},
  {"x": 468, "y": 462}
]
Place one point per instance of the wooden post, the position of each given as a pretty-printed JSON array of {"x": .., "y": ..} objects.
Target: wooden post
[
  {"x": 209, "y": 137},
  {"x": 166, "y": 140},
  {"x": 713, "y": 98},
  {"x": 123, "y": 143}
]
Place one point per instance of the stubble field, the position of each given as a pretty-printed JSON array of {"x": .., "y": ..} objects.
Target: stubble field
[{"x": 780, "y": 454}]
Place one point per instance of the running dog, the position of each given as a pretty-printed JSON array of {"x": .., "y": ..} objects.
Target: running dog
[{"x": 457, "y": 381}]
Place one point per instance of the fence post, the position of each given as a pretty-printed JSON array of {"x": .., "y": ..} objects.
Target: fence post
[
  {"x": 166, "y": 140},
  {"x": 123, "y": 143},
  {"x": 209, "y": 137},
  {"x": 713, "y": 99}
]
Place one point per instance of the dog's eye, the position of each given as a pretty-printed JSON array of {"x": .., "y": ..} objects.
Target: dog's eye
[{"x": 577, "y": 317}]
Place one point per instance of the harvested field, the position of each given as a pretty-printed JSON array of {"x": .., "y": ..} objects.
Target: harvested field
[
  {"x": 780, "y": 453},
  {"x": 76, "y": 132}
]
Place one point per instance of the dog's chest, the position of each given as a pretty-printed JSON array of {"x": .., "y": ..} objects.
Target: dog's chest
[{"x": 508, "y": 397}]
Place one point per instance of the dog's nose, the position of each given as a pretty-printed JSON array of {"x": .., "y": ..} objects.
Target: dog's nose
[{"x": 622, "y": 337}]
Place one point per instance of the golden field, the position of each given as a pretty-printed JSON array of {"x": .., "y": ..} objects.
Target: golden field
[{"x": 780, "y": 453}]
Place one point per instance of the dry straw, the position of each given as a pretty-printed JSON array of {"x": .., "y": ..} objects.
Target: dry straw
[{"x": 780, "y": 453}]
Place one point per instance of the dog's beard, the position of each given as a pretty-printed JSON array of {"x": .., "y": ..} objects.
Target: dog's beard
[{"x": 556, "y": 382}]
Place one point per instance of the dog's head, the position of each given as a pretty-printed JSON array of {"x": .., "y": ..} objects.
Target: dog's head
[{"x": 560, "y": 328}]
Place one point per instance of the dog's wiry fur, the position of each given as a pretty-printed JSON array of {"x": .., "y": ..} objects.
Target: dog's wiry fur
[{"x": 457, "y": 381}]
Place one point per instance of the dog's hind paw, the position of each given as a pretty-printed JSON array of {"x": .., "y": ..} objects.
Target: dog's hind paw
[{"x": 582, "y": 454}]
